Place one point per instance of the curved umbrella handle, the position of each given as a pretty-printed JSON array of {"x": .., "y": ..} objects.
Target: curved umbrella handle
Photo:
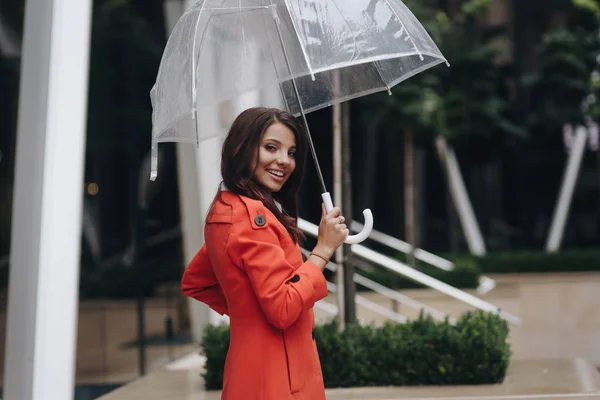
[{"x": 368, "y": 227}]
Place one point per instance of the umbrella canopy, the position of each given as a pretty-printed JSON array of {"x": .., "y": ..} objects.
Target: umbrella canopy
[{"x": 299, "y": 55}]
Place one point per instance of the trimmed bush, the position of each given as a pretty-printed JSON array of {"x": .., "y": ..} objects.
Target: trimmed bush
[
  {"x": 420, "y": 352},
  {"x": 539, "y": 261}
]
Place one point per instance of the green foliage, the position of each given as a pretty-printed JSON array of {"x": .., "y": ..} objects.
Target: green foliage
[
  {"x": 561, "y": 81},
  {"x": 215, "y": 343},
  {"x": 467, "y": 102},
  {"x": 421, "y": 352},
  {"x": 120, "y": 281},
  {"x": 464, "y": 275},
  {"x": 589, "y": 5}
]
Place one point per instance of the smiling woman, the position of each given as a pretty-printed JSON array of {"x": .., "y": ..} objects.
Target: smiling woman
[
  {"x": 276, "y": 157},
  {"x": 262, "y": 139},
  {"x": 251, "y": 267}
]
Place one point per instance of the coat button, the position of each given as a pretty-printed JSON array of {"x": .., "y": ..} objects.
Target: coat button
[
  {"x": 295, "y": 279},
  {"x": 260, "y": 220}
]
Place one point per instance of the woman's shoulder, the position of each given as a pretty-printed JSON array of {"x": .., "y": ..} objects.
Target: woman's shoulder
[{"x": 241, "y": 210}]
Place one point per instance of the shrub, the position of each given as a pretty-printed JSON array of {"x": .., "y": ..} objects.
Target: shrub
[
  {"x": 539, "y": 261},
  {"x": 420, "y": 352}
]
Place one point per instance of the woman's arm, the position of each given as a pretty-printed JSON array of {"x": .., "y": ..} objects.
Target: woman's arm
[
  {"x": 282, "y": 291},
  {"x": 199, "y": 282}
]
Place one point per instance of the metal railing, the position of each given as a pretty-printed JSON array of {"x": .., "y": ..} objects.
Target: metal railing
[
  {"x": 417, "y": 276},
  {"x": 486, "y": 284},
  {"x": 361, "y": 300}
]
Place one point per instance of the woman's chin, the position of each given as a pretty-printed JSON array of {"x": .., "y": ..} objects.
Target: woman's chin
[{"x": 274, "y": 188}]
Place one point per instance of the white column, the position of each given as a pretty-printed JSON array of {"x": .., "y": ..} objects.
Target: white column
[
  {"x": 192, "y": 226},
  {"x": 47, "y": 204},
  {"x": 192, "y": 218},
  {"x": 208, "y": 170},
  {"x": 567, "y": 188},
  {"x": 208, "y": 159},
  {"x": 460, "y": 197}
]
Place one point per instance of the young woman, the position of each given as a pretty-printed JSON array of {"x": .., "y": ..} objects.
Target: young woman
[{"x": 251, "y": 267}]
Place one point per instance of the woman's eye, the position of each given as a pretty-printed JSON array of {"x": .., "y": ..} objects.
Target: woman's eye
[
  {"x": 292, "y": 154},
  {"x": 270, "y": 147}
]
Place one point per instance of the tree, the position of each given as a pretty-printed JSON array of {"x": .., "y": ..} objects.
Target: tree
[{"x": 467, "y": 104}]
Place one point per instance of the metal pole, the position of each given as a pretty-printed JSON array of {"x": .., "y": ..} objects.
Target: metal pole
[
  {"x": 140, "y": 303},
  {"x": 41, "y": 328},
  {"x": 409, "y": 194},
  {"x": 337, "y": 199},
  {"x": 346, "y": 202}
]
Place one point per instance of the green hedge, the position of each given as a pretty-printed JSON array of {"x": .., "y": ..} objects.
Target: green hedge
[
  {"x": 420, "y": 352},
  {"x": 539, "y": 261},
  {"x": 465, "y": 275},
  {"x": 468, "y": 268}
]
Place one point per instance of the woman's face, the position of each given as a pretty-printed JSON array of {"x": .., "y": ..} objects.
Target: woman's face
[{"x": 276, "y": 160}]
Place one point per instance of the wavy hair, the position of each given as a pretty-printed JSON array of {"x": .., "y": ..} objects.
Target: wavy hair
[{"x": 239, "y": 160}]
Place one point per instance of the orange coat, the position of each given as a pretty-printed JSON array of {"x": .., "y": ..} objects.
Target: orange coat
[{"x": 251, "y": 270}]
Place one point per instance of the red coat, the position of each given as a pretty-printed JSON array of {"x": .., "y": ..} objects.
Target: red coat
[{"x": 251, "y": 270}]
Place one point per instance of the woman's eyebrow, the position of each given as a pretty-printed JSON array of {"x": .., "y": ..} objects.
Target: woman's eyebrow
[
  {"x": 272, "y": 140},
  {"x": 277, "y": 141}
]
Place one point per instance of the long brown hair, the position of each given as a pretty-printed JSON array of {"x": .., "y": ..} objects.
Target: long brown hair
[{"x": 241, "y": 148}]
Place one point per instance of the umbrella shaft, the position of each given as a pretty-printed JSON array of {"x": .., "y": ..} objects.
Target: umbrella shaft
[
  {"x": 313, "y": 151},
  {"x": 297, "y": 93}
]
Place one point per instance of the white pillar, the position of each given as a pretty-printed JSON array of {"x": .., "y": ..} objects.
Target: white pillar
[
  {"x": 460, "y": 197},
  {"x": 47, "y": 204},
  {"x": 561, "y": 212},
  {"x": 192, "y": 226},
  {"x": 192, "y": 218}
]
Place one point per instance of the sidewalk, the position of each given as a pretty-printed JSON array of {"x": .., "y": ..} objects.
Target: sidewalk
[{"x": 540, "y": 379}]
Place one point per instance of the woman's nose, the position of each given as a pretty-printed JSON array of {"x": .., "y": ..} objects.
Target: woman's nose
[{"x": 283, "y": 159}]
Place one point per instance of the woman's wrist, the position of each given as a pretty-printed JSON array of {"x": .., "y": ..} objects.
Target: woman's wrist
[{"x": 323, "y": 252}]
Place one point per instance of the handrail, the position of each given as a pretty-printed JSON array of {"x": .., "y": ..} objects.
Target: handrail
[
  {"x": 392, "y": 294},
  {"x": 486, "y": 283},
  {"x": 400, "y": 245},
  {"x": 327, "y": 307},
  {"x": 424, "y": 279},
  {"x": 401, "y": 298},
  {"x": 371, "y": 305},
  {"x": 413, "y": 274}
]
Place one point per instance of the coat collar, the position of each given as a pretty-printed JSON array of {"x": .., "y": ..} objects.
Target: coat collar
[{"x": 223, "y": 188}]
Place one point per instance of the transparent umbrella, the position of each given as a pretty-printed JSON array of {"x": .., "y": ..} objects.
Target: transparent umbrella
[{"x": 299, "y": 55}]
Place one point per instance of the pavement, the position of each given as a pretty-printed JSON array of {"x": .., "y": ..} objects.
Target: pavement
[{"x": 535, "y": 379}]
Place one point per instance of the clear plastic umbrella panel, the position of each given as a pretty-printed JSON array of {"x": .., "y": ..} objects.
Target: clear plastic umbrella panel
[{"x": 299, "y": 55}]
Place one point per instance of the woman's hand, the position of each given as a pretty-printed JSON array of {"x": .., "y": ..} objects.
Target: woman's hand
[{"x": 332, "y": 232}]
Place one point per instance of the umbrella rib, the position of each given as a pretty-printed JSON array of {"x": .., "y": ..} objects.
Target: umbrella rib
[
  {"x": 275, "y": 67},
  {"x": 194, "y": 81},
  {"x": 297, "y": 30},
  {"x": 308, "y": 135},
  {"x": 376, "y": 64},
  {"x": 404, "y": 28}
]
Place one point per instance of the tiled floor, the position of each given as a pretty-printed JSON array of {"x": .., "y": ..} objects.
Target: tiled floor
[{"x": 547, "y": 379}]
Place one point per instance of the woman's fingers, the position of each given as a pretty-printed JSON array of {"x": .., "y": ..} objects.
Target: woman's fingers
[
  {"x": 334, "y": 213},
  {"x": 341, "y": 226}
]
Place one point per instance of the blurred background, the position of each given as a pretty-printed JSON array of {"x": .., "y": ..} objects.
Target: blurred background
[{"x": 515, "y": 107}]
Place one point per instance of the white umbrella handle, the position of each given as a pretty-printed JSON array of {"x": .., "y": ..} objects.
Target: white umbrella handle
[{"x": 368, "y": 227}]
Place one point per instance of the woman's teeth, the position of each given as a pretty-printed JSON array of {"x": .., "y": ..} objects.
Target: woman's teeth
[{"x": 276, "y": 173}]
